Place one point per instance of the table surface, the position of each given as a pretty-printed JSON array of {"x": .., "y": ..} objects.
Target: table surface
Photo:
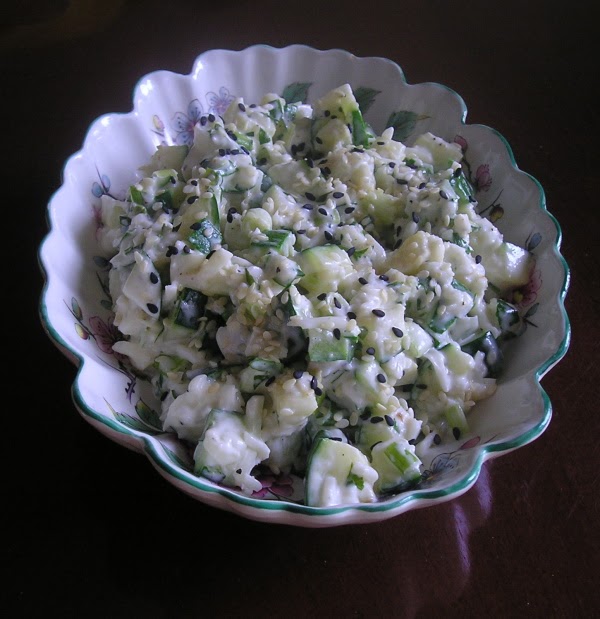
[{"x": 96, "y": 532}]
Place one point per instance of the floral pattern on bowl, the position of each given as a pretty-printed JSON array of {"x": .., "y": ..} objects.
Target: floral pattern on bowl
[{"x": 75, "y": 308}]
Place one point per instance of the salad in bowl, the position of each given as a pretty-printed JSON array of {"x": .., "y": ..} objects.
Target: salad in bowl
[{"x": 309, "y": 297}]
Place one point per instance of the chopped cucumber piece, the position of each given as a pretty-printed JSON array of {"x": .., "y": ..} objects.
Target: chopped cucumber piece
[
  {"x": 338, "y": 473},
  {"x": 205, "y": 236},
  {"x": 327, "y": 346},
  {"x": 189, "y": 308}
]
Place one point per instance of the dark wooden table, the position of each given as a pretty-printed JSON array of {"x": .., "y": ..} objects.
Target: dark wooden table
[{"x": 94, "y": 531}]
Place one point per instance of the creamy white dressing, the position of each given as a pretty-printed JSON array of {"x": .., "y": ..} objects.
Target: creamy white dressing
[{"x": 294, "y": 278}]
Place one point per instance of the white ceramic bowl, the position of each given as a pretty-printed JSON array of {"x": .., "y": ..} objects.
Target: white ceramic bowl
[{"x": 75, "y": 307}]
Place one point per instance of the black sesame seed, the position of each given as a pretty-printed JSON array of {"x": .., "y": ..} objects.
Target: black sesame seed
[
  {"x": 242, "y": 107},
  {"x": 153, "y": 278},
  {"x": 416, "y": 218},
  {"x": 379, "y": 313},
  {"x": 348, "y": 210},
  {"x": 381, "y": 143},
  {"x": 313, "y": 382},
  {"x": 212, "y": 118},
  {"x": 397, "y": 243},
  {"x": 192, "y": 199},
  {"x": 152, "y": 308},
  {"x": 381, "y": 378},
  {"x": 456, "y": 433},
  {"x": 443, "y": 194},
  {"x": 238, "y": 471},
  {"x": 337, "y": 303},
  {"x": 322, "y": 296},
  {"x": 203, "y": 120},
  {"x": 186, "y": 249},
  {"x": 370, "y": 351},
  {"x": 389, "y": 420},
  {"x": 318, "y": 140},
  {"x": 338, "y": 194},
  {"x": 318, "y": 391},
  {"x": 229, "y": 218},
  {"x": 422, "y": 186},
  {"x": 351, "y": 315},
  {"x": 413, "y": 441},
  {"x": 384, "y": 278},
  {"x": 351, "y": 251},
  {"x": 477, "y": 258},
  {"x": 196, "y": 225},
  {"x": 398, "y": 230},
  {"x": 298, "y": 374},
  {"x": 194, "y": 182},
  {"x": 328, "y": 235},
  {"x": 437, "y": 439},
  {"x": 365, "y": 415},
  {"x": 336, "y": 334},
  {"x": 397, "y": 332},
  {"x": 173, "y": 250},
  {"x": 300, "y": 231},
  {"x": 362, "y": 280},
  {"x": 269, "y": 381},
  {"x": 221, "y": 152},
  {"x": 308, "y": 207},
  {"x": 326, "y": 113},
  {"x": 402, "y": 181},
  {"x": 322, "y": 211},
  {"x": 309, "y": 162},
  {"x": 457, "y": 172},
  {"x": 376, "y": 419},
  {"x": 392, "y": 164}
]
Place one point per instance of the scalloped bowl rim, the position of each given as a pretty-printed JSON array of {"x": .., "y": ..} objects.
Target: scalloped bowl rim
[{"x": 283, "y": 512}]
